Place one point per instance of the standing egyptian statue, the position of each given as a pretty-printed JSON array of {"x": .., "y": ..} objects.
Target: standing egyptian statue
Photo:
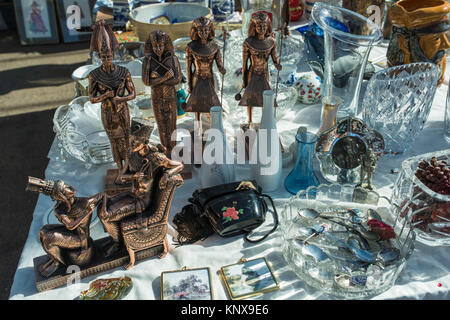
[
  {"x": 112, "y": 85},
  {"x": 161, "y": 71},
  {"x": 201, "y": 53},
  {"x": 144, "y": 160},
  {"x": 258, "y": 47},
  {"x": 418, "y": 33},
  {"x": 69, "y": 243}
]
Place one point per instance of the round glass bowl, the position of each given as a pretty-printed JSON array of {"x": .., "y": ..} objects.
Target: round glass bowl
[
  {"x": 80, "y": 133},
  {"x": 428, "y": 211},
  {"x": 342, "y": 274}
]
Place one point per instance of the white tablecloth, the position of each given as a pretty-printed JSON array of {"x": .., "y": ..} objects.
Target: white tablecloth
[{"x": 426, "y": 275}]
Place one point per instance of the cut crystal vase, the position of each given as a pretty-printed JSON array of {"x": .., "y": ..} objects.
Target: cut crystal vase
[{"x": 397, "y": 103}]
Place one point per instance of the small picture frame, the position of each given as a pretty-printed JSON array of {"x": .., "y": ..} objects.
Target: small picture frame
[
  {"x": 74, "y": 16},
  {"x": 187, "y": 284},
  {"x": 249, "y": 278},
  {"x": 36, "y": 21}
]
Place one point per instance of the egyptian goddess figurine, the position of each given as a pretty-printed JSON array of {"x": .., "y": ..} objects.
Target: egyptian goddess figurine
[
  {"x": 112, "y": 85},
  {"x": 258, "y": 47},
  {"x": 201, "y": 53},
  {"x": 144, "y": 161},
  {"x": 161, "y": 71},
  {"x": 70, "y": 242},
  {"x": 419, "y": 33}
]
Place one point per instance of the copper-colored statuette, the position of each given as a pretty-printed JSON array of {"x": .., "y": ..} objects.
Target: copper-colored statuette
[
  {"x": 68, "y": 243},
  {"x": 418, "y": 33},
  {"x": 201, "y": 53},
  {"x": 161, "y": 71},
  {"x": 139, "y": 217},
  {"x": 113, "y": 87},
  {"x": 136, "y": 220},
  {"x": 258, "y": 47}
]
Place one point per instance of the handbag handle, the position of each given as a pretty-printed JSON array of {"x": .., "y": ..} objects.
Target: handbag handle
[{"x": 275, "y": 217}]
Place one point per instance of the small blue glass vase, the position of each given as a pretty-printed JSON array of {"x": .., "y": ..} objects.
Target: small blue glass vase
[{"x": 302, "y": 176}]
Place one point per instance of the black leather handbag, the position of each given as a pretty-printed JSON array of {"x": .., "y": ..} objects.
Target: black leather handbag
[{"x": 228, "y": 210}]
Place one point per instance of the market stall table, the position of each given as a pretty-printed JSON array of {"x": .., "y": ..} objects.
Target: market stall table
[{"x": 426, "y": 275}]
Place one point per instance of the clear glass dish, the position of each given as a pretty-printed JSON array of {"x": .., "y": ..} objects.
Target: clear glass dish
[
  {"x": 417, "y": 203},
  {"x": 80, "y": 133},
  {"x": 340, "y": 276}
]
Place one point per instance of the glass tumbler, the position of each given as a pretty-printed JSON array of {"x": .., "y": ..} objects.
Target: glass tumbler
[{"x": 348, "y": 39}]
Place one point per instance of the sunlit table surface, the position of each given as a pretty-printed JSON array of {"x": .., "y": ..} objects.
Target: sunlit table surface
[{"x": 426, "y": 275}]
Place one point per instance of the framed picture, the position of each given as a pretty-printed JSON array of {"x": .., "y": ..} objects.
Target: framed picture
[
  {"x": 73, "y": 15},
  {"x": 186, "y": 284},
  {"x": 249, "y": 278},
  {"x": 36, "y": 21}
]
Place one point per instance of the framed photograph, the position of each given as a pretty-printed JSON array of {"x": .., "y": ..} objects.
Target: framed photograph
[
  {"x": 186, "y": 284},
  {"x": 73, "y": 15},
  {"x": 36, "y": 21},
  {"x": 249, "y": 278}
]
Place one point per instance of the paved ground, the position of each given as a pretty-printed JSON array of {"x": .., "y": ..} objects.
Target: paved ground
[{"x": 34, "y": 80}]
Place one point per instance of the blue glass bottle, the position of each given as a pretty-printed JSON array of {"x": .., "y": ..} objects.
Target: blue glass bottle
[{"x": 302, "y": 176}]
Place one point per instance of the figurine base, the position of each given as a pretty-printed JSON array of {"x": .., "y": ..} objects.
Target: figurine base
[
  {"x": 111, "y": 188},
  {"x": 99, "y": 264}
]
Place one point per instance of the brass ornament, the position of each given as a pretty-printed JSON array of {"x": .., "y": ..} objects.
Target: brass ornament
[
  {"x": 256, "y": 50},
  {"x": 112, "y": 86},
  {"x": 69, "y": 242},
  {"x": 161, "y": 71}
]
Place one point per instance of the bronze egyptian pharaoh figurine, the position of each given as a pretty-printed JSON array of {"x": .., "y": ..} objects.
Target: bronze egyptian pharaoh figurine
[
  {"x": 161, "y": 71},
  {"x": 201, "y": 53},
  {"x": 418, "y": 33},
  {"x": 67, "y": 243},
  {"x": 112, "y": 85},
  {"x": 258, "y": 47},
  {"x": 145, "y": 161}
]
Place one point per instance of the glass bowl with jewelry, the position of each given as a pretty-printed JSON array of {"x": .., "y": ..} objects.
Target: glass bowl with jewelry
[
  {"x": 422, "y": 196},
  {"x": 341, "y": 246}
]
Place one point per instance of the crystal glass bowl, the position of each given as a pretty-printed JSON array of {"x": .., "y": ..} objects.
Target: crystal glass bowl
[
  {"x": 397, "y": 102},
  {"x": 80, "y": 133},
  {"x": 428, "y": 211},
  {"x": 340, "y": 276}
]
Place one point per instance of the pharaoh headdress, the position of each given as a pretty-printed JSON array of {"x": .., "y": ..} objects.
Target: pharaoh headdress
[
  {"x": 158, "y": 36},
  {"x": 103, "y": 39},
  {"x": 259, "y": 17},
  {"x": 202, "y": 22}
]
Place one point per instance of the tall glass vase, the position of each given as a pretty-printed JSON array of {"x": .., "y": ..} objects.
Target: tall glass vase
[
  {"x": 302, "y": 176},
  {"x": 348, "y": 39}
]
